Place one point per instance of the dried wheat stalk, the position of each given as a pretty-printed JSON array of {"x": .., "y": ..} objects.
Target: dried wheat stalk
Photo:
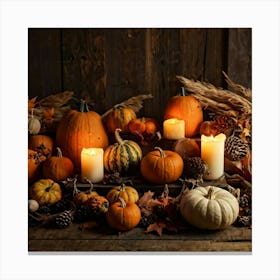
[
  {"x": 135, "y": 103},
  {"x": 238, "y": 89},
  {"x": 218, "y": 100}
]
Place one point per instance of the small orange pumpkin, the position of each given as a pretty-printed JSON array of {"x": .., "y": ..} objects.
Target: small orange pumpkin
[
  {"x": 41, "y": 143},
  {"x": 127, "y": 193},
  {"x": 58, "y": 167},
  {"x": 81, "y": 198},
  {"x": 123, "y": 216},
  {"x": 187, "y": 108},
  {"x": 119, "y": 117},
  {"x": 34, "y": 163},
  {"x": 143, "y": 126},
  {"x": 162, "y": 166}
]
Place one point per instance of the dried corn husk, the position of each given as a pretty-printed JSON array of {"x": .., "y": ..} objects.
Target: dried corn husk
[{"x": 135, "y": 103}]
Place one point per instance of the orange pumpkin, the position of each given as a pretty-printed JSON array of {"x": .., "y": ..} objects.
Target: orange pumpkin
[
  {"x": 78, "y": 130},
  {"x": 143, "y": 126},
  {"x": 119, "y": 117},
  {"x": 187, "y": 108},
  {"x": 97, "y": 205},
  {"x": 127, "y": 193},
  {"x": 34, "y": 163},
  {"x": 58, "y": 167},
  {"x": 162, "y": 166},
  {"x": 123, "y": 216},
  {"x": 41, "y": 143}
]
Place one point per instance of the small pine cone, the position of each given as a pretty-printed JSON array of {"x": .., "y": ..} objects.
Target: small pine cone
[
  {"x": 195, "y": 167},
  {"x": 235, "y": 148},
  {"x": 244, "y": 201},
  {"x": 45, "y": 210},
  {"x": 64, "y": 219},
  {"x": 243, "y": 221},
  {"x": 147, "y": 220}
]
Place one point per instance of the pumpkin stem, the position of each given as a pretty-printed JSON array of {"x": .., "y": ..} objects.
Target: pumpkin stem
[
  {"x": 122, "y": 188},
  {"x": 84, "y": 106},
  {"x": 165, "y": 191},
  {"x": 209, "y": 194},
  {"x": 162, "y": 154},
  {"x": 32, "y": 113},
  {"x": 118, "y": 137},
  {"x": 183, "y": 91},
  {"x": 59, "y": 152},
  {"x": 75, "y": 189},
  {"x": 123, "y": 204},
  {"x": 143, "y": 120}
]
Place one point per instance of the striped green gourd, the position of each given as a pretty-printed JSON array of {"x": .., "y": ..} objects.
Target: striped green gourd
[{"x": 123, "y": 156}]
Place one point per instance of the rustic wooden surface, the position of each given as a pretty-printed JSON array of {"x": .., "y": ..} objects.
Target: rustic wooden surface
[
  {"x": 105, "y": 239},
  {"x": 112, "y": 64}
]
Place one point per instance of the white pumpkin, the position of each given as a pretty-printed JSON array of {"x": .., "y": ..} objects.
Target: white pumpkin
[{"x": 209, "y": 207}]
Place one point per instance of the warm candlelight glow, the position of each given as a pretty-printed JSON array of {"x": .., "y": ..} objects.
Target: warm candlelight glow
[
  {"x": 212, "y": 152},
  {"x": 92, "y": 164},
  {"x": 174, "y": 129}
]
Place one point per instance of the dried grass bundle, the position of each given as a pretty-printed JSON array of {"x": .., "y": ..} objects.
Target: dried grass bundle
[
  {"x": 135, "y": 103},
  {"x": 218, "y": 100}
]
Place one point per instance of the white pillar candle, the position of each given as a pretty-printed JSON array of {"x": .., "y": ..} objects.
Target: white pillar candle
[
  {"x": 92, "y": 166},
  {"x": 174, "y": 129},
  {"x": 212, "y": 152}
]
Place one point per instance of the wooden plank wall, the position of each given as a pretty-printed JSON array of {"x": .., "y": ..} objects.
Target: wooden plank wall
[{"x": 111, "y": 65}]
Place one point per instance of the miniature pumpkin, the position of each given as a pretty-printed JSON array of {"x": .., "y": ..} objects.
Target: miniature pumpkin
[
  {"x": 97, "y": 204},
  {"x": 58, "y": 167},
  {"x": 162, "y": 166},
  {"x": 187, "y": 108},
  {"x": 34, "y": 124},
  {"x": 45, "y": 192},
  {"x": 123, "y": 216},
  {"x": 34, "y": 164},
  {"x": 209, "y": 207},
  {"x": 41, "y": 143},
  {"x": 82, "y": 197},
  {"x": 123, "y": 156},
  {"x": 143, "y": 126},
  {"x": 127, "y": 193},
  {"x": 78, "y": 130},
  {"x": 119, "y": 117}
]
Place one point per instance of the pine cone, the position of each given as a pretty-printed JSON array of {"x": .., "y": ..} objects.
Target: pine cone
[
  {"x": 65, "y": 219},
  {"x": 195, "y": 167},
  {"x": 235, "y": 148}
]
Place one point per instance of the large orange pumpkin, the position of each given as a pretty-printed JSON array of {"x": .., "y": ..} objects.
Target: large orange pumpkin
[
  {"x": 162, "y": 166},
  {"x": 78, "y": 130},
  {"x": 187, "y": 108}
]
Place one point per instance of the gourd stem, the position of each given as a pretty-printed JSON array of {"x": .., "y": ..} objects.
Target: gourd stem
[
  {"x": 123, "y": 204},
  {"x": 59, "y": 152},
  {"x": 209, "y": 194},
  {"x": 118, "y": 137},
  {"x": 83, "y": 106},
  {"x": 32, "y": 113},
  {"x": 162, "y": 154},
  {"x": 183, "y": 92},
  {"x": 91, "y": 184},
  {"x": 143, "y": 120}
]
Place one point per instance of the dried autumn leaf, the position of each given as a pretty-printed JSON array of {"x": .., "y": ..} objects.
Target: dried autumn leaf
[
  {"x": 157, "y": 227},
  {"x": 31, "y": 103}
]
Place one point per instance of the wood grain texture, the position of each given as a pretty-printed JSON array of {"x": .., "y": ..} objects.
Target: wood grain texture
[
  {"x": 44, "y": 62},
  {"x": 73, "y": 239},
  {"x": 84, "y": 65},
  {"x": 240, "y": 56}
]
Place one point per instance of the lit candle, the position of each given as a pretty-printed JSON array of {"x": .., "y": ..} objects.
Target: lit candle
[
  {"x": 212, "y": 152},
  {"x": 174, "y": 129},
  {"x": 92, "y": 164}
]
